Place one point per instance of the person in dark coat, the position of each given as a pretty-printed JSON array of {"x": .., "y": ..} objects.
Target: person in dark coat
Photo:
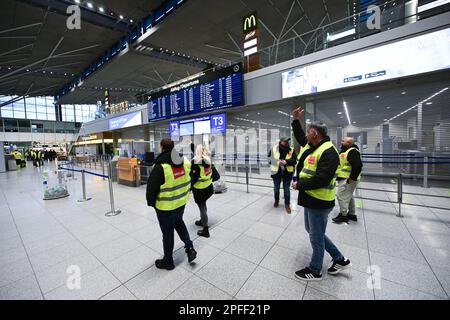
[
  {"x": 159, "y": 195},
  {"x": 203, "y": 173}
]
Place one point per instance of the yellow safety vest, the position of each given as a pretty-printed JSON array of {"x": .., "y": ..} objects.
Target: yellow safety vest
[
  {"x": 17, "y": 155},
  {"x": 205, "y": 179},
  {"x": 345, "y": 168},
  {"x": 276, "y": 155},
  {"x": 174, "y": 192},
  {"x": 327, "y": 193}
]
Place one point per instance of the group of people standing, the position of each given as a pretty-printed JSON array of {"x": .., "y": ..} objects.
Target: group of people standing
[
  {"x": 39, "y": 156},
  {"x": 168, "y": 189},
  {"x": 314, "y": 172}
]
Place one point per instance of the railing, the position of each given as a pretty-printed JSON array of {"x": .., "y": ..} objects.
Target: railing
[{"x": 399, "y": 178}]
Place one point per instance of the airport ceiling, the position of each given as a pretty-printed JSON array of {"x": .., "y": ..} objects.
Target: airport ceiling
[{"x": 33, "y": 30}]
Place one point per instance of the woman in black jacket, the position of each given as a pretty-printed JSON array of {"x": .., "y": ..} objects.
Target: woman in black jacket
[{"x": 203, "y": 173}]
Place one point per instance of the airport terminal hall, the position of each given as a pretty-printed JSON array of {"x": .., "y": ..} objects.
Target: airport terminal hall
[{"x": 231, "y": 158}]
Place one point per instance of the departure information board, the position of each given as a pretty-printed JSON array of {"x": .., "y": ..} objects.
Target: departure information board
[{"x": 214, "y": 90}]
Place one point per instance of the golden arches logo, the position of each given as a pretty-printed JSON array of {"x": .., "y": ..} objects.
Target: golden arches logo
[{"x": 250, "y": 22}]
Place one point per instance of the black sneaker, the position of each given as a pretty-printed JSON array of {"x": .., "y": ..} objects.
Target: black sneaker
[
  {"x": 338, "y": 266},
  {"x": 307, "y": 275},
  {"x": 192, "y": 254},
  {"x": 204, "y": 232},
  {"x": 340, "y": 219},
  {"x": 199, "y": 223},
  {"x": 161, "y": 264},
  {"x": 352, "y": 217}
]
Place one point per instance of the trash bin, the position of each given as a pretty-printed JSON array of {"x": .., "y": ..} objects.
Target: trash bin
[{"x": 12, "y": 165}]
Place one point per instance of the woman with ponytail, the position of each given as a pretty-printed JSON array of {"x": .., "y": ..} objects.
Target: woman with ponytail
[{"x": 203, "y": 173}]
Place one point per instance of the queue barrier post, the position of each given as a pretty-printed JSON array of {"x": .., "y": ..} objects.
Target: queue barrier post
[
  {"x": 113, "y": 211},
  {"x": 83, "y": 186}
]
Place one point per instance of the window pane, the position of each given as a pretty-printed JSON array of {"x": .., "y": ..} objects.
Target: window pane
[
  {"x": 4, "y": 98},
  {"x": 30, "y": 101},
  {"x": 19, "y": 106},
  {"x": 41, "y": 109},
  {"x": 42, "y": 116},
  {"x": 31, "y": 115},
  {"x": 51, "y": 117},
  {"x": 7, "y": 112},
  {"x": 19, "y": 114},
  {"x": 40, "y": 101}
]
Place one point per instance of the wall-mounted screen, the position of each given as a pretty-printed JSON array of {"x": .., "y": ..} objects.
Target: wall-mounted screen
[
  {"x": 213, "y": 124},
  {"x": 426, "y": 53},
  {"x": 186, "y": 129},
  {"x": 211, "y": 91},
  {"x": 125, "y": 121},
  {"x": 202, "y": 127}
]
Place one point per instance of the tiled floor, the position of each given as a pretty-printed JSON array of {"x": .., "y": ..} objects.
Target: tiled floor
[{"x": 253, "y": 251}]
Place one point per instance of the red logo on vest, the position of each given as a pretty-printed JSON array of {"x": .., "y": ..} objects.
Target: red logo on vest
[
  {"x": 178, "y": 172},
  {"x": 311, "y": 160},
  {"x": 207, "y": 170},
  {"x": 342, "y": 156}
]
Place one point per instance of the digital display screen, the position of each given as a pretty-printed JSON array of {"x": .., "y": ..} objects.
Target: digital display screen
[
  {"x": 212, "y": 91},
  {"x": 125, "y": 121},
  {"x": 426, "y": 53},
  {"x": 213, "y": 124},
  {"x": 202, "y": 127},
  {"x": 186, "y": 129}
]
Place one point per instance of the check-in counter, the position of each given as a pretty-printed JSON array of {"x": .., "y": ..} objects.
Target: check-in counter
[{"x": 128, "y": 172}]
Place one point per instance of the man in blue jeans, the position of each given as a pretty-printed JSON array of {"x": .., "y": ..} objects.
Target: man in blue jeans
[
  {"x": 282, "y": 164},
  {"x": 168, "y": 189},
  {"x": 316, "y": 182}
]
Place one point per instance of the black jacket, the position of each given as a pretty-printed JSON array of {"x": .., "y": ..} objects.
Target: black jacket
[
  {"x": 283, "y": 154},
  {"x": 354, "y": 158},
  {"x": 156, "y": 178},
  {"x": 326, "y": 169},
  {"x": 202, "y": 195}
]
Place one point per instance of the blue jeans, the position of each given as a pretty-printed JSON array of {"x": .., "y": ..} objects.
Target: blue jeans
[
  {"x": 168, "y": 222},
  {"x": 286, "y": 186},
  {"x": 316, "y": 225}
]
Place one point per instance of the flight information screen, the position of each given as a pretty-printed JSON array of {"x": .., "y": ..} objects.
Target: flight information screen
[{"x": 214, "y": 90}]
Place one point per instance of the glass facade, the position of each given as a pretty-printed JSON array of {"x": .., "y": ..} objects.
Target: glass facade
[
  {"x": 43, "y": 108},
  {"x": 78, "y": 112},
  {"x": 33, "y": 108}
]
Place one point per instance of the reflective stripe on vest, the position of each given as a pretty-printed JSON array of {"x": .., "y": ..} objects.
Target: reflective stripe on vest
[
  {"x": 205, "y": 179},
  {"x": 327, "y": 193},
  {"x": 174, "y": 193},
  {"x": 276, "y": 155},
  {"x": 345, "y": 168}
]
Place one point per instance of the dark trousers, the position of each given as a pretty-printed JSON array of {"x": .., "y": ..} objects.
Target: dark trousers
[
  {"x": 286, "y": 179},
  {"x": 168, "y": 222}
]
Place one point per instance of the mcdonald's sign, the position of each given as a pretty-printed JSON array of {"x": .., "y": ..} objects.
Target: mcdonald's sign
[{"x": 250, "y": 22}]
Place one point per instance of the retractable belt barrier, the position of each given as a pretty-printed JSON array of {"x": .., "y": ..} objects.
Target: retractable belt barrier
[{"x": 83, "y": 172}]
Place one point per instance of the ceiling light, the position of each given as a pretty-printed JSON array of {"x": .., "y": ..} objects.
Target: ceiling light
[
  {"x": 131, "y": 20},
  {"x": 429, "y": 103},
  {"x": 377, "y": 97},
  {"x": 101, "y": 9},
  {"x": 388, "y": 107},
  {"x": 121, "y": 17},
  {"x": 346, "y": 112},
  {"x": 404, "y": 92},
  {"x": 339, "y": 112},
  {"x": 77, "y": 1},
  {"x": 90, "y": 5}
]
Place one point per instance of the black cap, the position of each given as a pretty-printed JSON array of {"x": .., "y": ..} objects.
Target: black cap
[{"x": 285, "y": 139}]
